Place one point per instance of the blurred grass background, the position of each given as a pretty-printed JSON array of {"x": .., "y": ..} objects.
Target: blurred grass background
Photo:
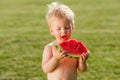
[{"x": 24, "y": 33}]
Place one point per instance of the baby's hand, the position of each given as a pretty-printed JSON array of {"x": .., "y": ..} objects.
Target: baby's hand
[
  {"x": 58, "y": 54},
  {"x": 83, "y": 57}
]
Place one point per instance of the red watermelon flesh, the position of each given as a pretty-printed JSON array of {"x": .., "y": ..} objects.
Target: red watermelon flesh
[{"x": 74, "y": 47}]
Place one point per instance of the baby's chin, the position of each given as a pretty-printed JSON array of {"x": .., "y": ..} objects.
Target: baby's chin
[
  {"x": 60, "y": 40},
  {"x": 63, "y": 39}
]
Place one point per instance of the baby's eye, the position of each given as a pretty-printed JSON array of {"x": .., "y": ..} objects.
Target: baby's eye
[
  {"x": 57, "y": 28},
  {"x": 67, "y": 27}
]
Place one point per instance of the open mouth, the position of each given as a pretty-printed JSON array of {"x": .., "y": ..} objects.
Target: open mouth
[{"x": 63, "y": 37}]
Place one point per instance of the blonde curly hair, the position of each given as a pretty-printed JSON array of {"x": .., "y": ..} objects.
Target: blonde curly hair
[{"x": 55, "y": 9}]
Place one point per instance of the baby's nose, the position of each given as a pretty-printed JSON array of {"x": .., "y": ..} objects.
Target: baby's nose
[{"x": 63, "y": 31}]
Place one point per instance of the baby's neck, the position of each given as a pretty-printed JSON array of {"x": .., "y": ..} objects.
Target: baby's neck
[{"x": 56, "y": 42}]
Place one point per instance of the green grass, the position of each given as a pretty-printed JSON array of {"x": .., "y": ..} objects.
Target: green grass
[{"x": 24, "y": 33}]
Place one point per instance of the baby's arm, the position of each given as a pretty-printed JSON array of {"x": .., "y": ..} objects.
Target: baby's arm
[
  {"x": 82, "y": 64},
  {"x": 50, "y": 58},
  {"x": 49, "y": 63}
]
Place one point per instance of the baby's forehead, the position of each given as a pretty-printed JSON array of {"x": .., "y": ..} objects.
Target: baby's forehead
[
  {"x": 65, "y": 20},
  {"x": 58, "y": 21}
]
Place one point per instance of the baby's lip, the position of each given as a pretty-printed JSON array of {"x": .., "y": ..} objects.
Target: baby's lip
[{"x": 63, "y": 36}]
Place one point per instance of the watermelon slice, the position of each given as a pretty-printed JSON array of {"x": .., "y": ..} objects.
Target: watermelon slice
[{"x": 73, "y": 48}]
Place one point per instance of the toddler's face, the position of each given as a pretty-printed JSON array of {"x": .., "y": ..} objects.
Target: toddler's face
[{"x": 61, "y": 29}]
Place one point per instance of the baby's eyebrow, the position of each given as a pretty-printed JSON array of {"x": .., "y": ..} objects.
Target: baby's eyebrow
[
  {"x": 57, "y": 27},
  {"x": 67, "y": 24}
]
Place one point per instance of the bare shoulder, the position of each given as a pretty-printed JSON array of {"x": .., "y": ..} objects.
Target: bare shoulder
[
  {"x": 48, "y": 46},
  {"x": 47, "y": 50}
]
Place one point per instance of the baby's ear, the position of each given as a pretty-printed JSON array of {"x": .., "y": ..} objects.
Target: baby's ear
[
  {"x": 51, "y": 31},
  {"x": 72, "y": 27}
]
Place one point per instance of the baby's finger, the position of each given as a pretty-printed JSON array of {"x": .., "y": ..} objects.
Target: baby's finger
[
  {"x": 63, "y": 52},
  {"x": 86, "y": 55},
  {"x": 83, "y": 58},
  {"x": 63, "y": 56}
]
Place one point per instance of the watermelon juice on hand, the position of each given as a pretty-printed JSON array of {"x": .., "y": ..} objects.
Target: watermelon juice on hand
[{"x": 73, "y": 48}]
